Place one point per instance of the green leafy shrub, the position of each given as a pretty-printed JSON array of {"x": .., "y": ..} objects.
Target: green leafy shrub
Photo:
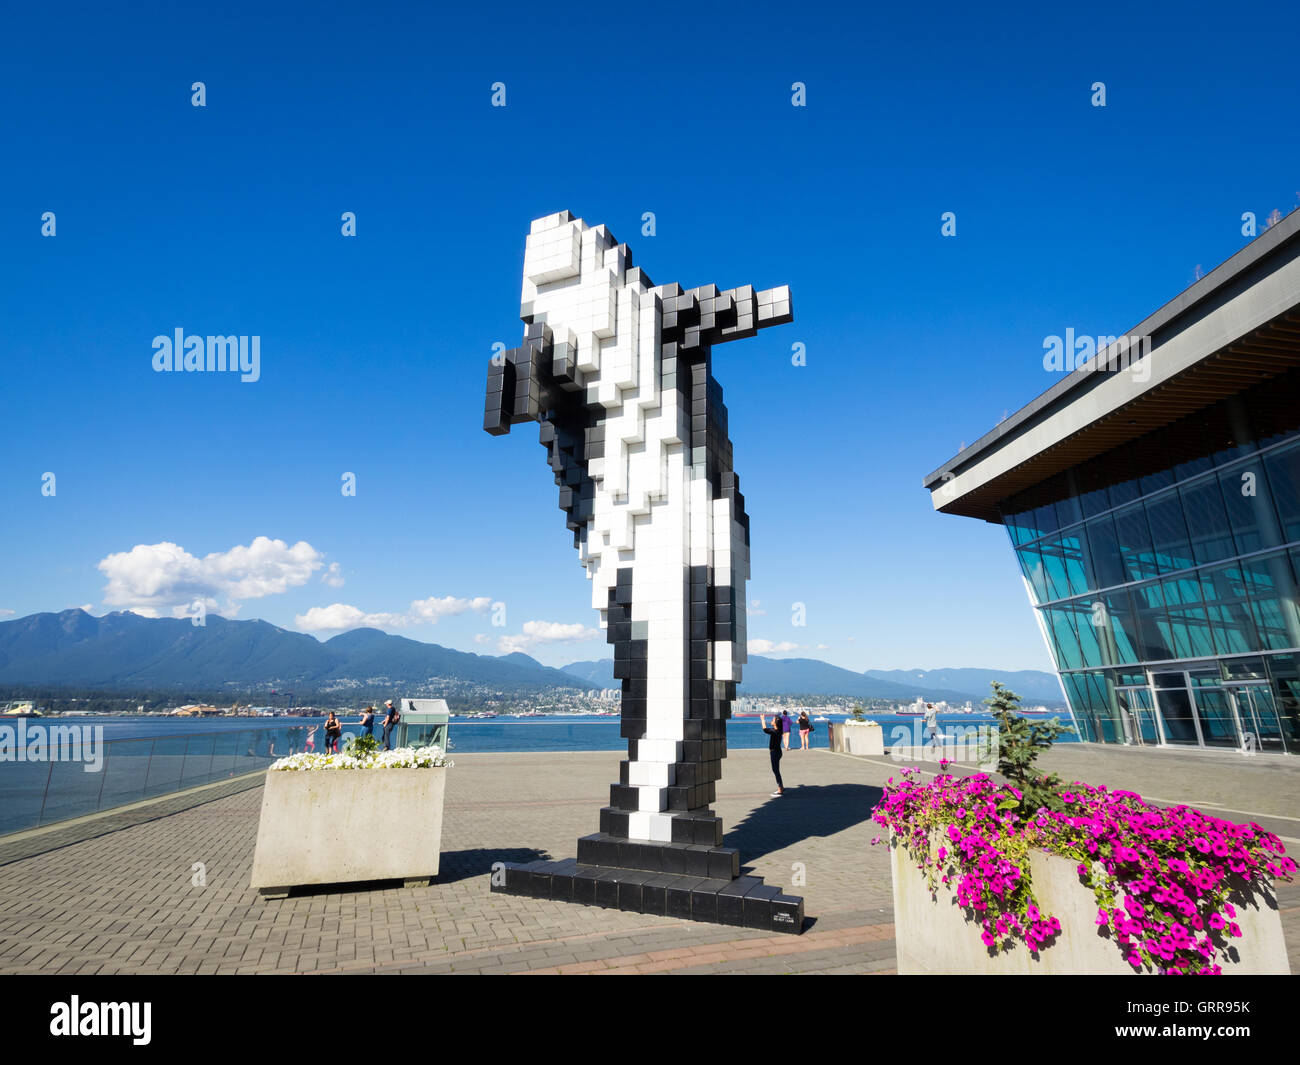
[
  {"x": 1020, "y": 742},
  {"x": 361, "y": 746}
]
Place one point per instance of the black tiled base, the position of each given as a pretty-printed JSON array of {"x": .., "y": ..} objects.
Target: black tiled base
[
  {"x": 743, "y": 901},
  {"x": 695, "y": 859}
]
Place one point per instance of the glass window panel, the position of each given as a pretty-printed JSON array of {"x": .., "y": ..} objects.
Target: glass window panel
[
  {"x": 1094, "y": 502},
  {"x": 1045, "y": 519},
  {"x": 1243, "y": 508},
  {"x": 1284, "y": 672},
  {"x": 1087, "y": 621},
  {"x": 1244, "y": 669},
  {"x": 1031, "y": 565},
  {"x": 1207, "y": 522},
  {"x": 1136, "y": 553},
  {"x": 1068, "y": 512},
  {"x": 1153, "y": 482},
  {"x": 1284, "y": 480},
  {"x": 1064, "y": 639},
  {"x": 1152, "y": 623},
  {"x": 1258, "y": 713},
  {"x": 1228, "y": 609},
  {"x": 1072, "y": 551},
  {"x": 1270, "y": 585},
  {"x": 1121, "y": 628},
  {"x": 1184, "y": 470},
  {"x": 1104, "y": 553},
  {"x": 1076, "y": 691},
  {"x": 1106, "y": 713},
  {"x": 1063, "y": 566},
  {"x": 1020, "y": 523},
  {"x": 1124, "y": 492},
  {"x": 1169, "y": 533},
  {"x": 1017, "y": 528},
  {"x": 1189, "y": 628},
  {"x": 1140, "y": 699}
]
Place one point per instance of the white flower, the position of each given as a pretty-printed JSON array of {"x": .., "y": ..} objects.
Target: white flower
[{"x": 403, "y": 758}]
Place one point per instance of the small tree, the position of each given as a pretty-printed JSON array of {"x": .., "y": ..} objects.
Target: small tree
[
  {"x": 362, "y": 746},
  {"x": 858, "y": 713},
  {"x": 1019, "y": 744}
]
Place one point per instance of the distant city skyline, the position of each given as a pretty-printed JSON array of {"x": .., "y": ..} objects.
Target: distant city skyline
[{"x": 341, "y": 478}]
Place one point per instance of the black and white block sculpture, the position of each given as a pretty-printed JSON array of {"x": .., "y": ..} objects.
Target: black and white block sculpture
[{"x": 618, "y": 372}]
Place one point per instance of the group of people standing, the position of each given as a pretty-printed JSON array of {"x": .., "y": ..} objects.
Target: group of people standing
[
  {"x": 779, "y": 740},
  {"x": 334, "y": 728}
]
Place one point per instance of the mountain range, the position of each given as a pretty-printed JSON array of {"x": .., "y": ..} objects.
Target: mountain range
[
  {"x": 122, "y": 650},
  {"x": 811, "y": 676}
]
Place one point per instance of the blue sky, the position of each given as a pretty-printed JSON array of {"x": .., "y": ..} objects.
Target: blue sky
[{"x": 226, "y": 219}]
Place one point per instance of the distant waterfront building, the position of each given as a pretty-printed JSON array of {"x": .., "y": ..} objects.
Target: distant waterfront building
[{"x": 1152, "y": 498}]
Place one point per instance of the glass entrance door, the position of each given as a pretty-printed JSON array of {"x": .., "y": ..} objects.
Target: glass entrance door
[
  {"x": 1218, "y": 724},
  {"x": 1257, "y": 713},
  {"x": 1177, "y": 717},
  {"x": 1139, "y": 715}
]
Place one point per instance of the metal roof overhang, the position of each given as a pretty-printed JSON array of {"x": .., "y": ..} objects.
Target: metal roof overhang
[{"x": 1236, "y": 327}]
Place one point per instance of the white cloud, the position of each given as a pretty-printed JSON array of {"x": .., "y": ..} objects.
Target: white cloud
[
  {"x": 7, "y": 613},
  {"x": 432, "y": 609},
  {"x": 754, "y": 609},
  {"x": 339, "y": 617},
  {"x": 767, "y": 647},
  {"x": 481, "y": 637},
  {"x": 164, "y": 578},
  {"x": 544, "y": 632},
  {"x": 333, "y": 576}
]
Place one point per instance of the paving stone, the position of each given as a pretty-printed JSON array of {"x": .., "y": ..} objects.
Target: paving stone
[{"x": 122, "y": 901}]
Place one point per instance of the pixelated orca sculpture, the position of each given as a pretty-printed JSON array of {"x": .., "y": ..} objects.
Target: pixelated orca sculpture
[{"x": 618, "y": 372}]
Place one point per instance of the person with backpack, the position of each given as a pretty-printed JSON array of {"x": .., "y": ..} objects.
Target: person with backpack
[{"x": 390, "y": 722}]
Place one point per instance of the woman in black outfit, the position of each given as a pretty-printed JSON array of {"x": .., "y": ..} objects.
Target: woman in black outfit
[{"x": 774, "y": 750}]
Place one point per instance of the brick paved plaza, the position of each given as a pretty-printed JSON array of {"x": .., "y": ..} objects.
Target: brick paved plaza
[{"x": 123, "y": 901}]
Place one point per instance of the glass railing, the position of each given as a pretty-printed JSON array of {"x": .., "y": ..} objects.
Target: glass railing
[{"x": 63, "y": 780}]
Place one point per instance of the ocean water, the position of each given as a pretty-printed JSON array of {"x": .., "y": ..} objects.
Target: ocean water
[
  {"x": 143, "y": 757},
  {"x": 504, "y": 733}
]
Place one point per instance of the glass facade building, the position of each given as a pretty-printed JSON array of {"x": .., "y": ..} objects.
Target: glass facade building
[
  {"x": 1165, "y": 574},
  {"x": 1152, "y": 499}
]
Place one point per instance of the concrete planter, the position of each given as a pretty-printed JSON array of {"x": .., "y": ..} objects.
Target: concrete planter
[
  {"x": 933, "y": 935},
  {"x": 860, "y": 737},
  {"x": 340, "y": 826}
]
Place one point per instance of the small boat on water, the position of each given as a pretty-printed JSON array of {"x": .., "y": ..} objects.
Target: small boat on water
[{"x": 22, "y": 710}]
